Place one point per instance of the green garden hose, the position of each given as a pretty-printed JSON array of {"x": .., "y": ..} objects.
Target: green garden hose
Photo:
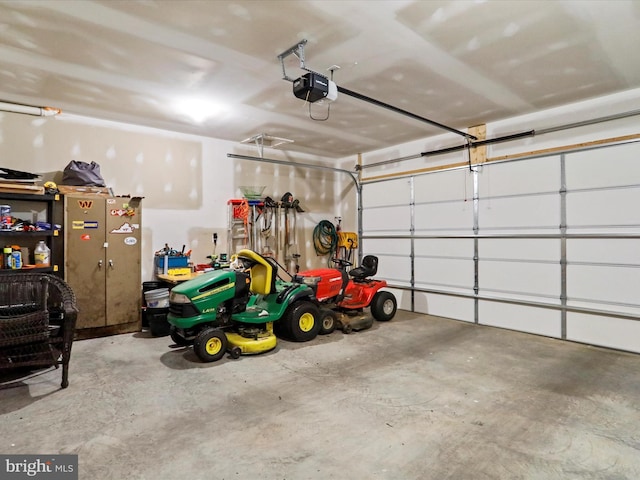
[{"x": 325, "y": 239}]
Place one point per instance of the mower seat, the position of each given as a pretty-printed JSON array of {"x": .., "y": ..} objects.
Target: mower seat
[
  {"x": 262, "y": 272},
  {"x": 368, "y": 268}
]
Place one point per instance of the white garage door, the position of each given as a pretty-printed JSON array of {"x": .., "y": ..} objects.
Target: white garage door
[{"x": 544, "y": 245}]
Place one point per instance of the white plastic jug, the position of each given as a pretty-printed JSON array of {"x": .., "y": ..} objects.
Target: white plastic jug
[{"x": 42, "y": 255}]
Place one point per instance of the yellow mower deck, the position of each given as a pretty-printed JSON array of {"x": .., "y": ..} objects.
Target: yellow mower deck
[{"x": 264, "y": 342}]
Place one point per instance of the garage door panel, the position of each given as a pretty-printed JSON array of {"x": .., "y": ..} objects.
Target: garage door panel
[
  {"x": 403, "y": 298},
  {"x": 609, "y": 332},
  {"x": 445, "y": 306},
  {"x": 531, "y": 213},
  {"x": 523, "y": 177},
  {"x": 588, "y": 170},
  {"x": 381, "y": 246},
  {"x": 621, "y": 251},
  {"x": 445, "y": 186},
  {"x": 441, "y": 217},
  {"x": 523, "y": 249},
  {"x": 533, "y": 279},
  {"x": 444, "y": 247},
  {"x": 603, "y": 208},
  {"x": 377, "y": 194},
  {"x": 394, "y": 269},
  {"x": 522, "y": 318},
  {"x": 387, "y": 220},
  {"x": 607, "y": 284},
  {"x": 444, "y": 273}
]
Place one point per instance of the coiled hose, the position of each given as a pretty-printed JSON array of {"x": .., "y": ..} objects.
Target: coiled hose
[{"x": 325, "y": 239}]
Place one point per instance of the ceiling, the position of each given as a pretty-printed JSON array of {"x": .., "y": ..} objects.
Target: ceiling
[{"x": 458, "y": 63}]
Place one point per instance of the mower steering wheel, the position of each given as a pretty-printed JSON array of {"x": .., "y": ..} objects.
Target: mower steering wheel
[{"x": 341, "y": 262}]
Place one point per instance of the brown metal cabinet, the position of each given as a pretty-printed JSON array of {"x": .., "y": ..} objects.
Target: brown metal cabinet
[{"x": 102, "y": 262}]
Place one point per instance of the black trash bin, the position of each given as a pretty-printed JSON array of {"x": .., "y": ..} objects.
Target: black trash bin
[
  {"x": 146, "y": 287},
  {"x": 158, "y": 324}
]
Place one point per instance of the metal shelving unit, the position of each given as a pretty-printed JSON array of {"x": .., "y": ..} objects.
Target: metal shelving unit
[{"x": 48, "y": 208}]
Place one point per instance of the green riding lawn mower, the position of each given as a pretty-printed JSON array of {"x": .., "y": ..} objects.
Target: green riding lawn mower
[{"x": 243, "y": 310}]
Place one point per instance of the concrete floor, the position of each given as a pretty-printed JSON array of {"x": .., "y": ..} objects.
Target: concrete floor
[{"x": 416, "y": 398}]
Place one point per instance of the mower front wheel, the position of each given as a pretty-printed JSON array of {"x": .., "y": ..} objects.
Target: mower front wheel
[
  {"x": 177, "y": 338},
  {"x": 328, "y": 321},
  {"x": 303, "y": 321},
  {"x": 384, "y": 306},
  {"x": 210, "y": 345}
]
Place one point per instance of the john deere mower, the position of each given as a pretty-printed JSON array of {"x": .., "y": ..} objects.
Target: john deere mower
[
  {"x": 343, "y": 295},
  {"x": 235, "y": 310}
]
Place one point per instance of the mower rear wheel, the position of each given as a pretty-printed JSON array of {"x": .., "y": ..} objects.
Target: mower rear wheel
[
  {"x": 328, "y": 321},
  {"x": 384, "y": 306},
  {"x": 303, "y": 321},
  {"x": 177, "y": 338},
  {"x": 210, "y": 344}
]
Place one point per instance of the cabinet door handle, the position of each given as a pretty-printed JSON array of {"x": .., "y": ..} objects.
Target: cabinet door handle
[
  {"x": 111, "y": 263},
  {"x": 99, "y": 264}
]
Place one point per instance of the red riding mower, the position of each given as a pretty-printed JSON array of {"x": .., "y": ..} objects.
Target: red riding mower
[{"x": 343, "y": 299}]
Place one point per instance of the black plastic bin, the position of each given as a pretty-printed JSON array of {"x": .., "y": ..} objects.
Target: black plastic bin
[
  {"x": 146, "y": 287},
  {"x": 158, "y": 324}
]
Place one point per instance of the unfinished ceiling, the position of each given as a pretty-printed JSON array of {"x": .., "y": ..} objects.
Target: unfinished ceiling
[{"x": 459, "y": 63}]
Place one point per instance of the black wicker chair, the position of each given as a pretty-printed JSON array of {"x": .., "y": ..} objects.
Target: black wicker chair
[{"x": 37, "y": 322}]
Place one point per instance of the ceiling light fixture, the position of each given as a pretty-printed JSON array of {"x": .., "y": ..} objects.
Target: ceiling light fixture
[
  {"x": 29, "y": 109},
  {"x": 198, "y": 110}
]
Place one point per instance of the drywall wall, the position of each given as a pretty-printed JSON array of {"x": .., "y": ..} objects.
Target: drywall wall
[{"x": 186, "y": 180}]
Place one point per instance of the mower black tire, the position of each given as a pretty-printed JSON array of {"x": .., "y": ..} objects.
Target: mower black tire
[
  {"x": 210, "y": 344},
  {"x": 177, "y": 338},
  {"x": 302, "y": 321},
  {"x": 328, "y": 321},
  {"x": 280, "y": 328},
  {"x": 383, "y": 306}
]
